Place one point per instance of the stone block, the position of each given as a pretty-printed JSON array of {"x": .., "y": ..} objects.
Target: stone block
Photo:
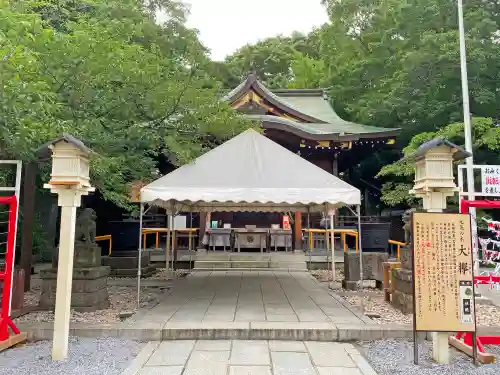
[
  {"x": 82, "y": 302},
  {"x": 89, "y": 289},
  {"x": 406, "y": 258},
  {"x": 372, "y": 267},
  {"x": 79, "y": 286},
  {"x": 403, "y": 280},
  {"x": 87, "y": 255},
  {"x": 126, "y": 262},
  {"x": 130, "y": 272},
  {"x": 402, "y": 301},
  {"x": 86, "y": 273}
]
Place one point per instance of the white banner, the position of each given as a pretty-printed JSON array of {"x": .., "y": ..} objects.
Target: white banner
[{"x": 490, "y": 179}]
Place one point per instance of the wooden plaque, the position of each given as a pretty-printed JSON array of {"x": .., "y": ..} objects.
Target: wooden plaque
[{"x": 442, "y": 273}]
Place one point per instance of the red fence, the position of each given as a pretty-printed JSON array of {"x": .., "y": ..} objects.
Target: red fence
[{"x": 6, "y": 271}]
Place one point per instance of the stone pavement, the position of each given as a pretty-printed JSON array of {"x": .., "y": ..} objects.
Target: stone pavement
[
  {"x": 249, "y": 358},
  {"x": 249, "y": 296}
]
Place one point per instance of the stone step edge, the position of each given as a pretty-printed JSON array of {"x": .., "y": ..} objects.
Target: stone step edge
[
  {"x": 250, "y": 261},
  {"x": 290, "y": 331},
  {"x": 252, "y": 269}
]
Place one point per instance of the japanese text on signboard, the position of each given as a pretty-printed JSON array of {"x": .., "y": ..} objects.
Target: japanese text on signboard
[
  {"x": 443, "y": 274},
  {"x": 490, "y": 176}
]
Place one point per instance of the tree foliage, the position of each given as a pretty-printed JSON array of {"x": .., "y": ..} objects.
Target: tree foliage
[
  {"x": 486, "y": 136},
  {"x": 395, "y": 63},
  {"x": 279, "y": 62},
  {"x": 132, "y": 89}
]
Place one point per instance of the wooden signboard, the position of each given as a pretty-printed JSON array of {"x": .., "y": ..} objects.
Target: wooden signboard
[{"x": 442, "y": 273}]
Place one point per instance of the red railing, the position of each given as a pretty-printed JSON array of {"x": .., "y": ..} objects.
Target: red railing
[{"x": 8, "y": 268}]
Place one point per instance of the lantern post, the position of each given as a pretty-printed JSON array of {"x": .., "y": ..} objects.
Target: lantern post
[{"x": 69, "y": 180}]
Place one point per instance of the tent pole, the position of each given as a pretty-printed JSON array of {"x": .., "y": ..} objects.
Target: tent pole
[
  {"x": 327, "y": 242},
  {"x": 172, "y": 258},
  {"x": 332, "y": 234},
  {"x": 167, "y": 246},
  {"x": 361, "y": 283},
  {"x": 139, "y": 265},
  {"x": 308, "y": 235}
]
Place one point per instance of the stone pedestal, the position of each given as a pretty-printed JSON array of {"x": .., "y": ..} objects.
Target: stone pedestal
[
  {"x": 89, "y": 289},
  {"x": 372, "y": 268},
  {"x": 402, "y": 298},
  {"x": 124, "y": 264}
]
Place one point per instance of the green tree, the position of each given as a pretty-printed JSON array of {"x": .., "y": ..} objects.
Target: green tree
[
  {"x": 279, "y": 62},
  {"x": 395, "y": 63},
  {"x": 133, "y": 90},
  {"x": 486, "y": 135}
]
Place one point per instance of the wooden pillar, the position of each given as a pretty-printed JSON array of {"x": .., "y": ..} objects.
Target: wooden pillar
[
  {"x": 298, "y": 230},
  {"x": 29, "y": 190}
]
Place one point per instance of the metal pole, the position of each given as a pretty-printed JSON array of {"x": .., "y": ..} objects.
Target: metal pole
[
  {"x": 308, "y": 234},
  {"x": 467, "y": 127},
  {"x": 139, "y": 265},
  {"x": 358, "y": 212},
  {"x": 332, "y": 234},
  {"x": 167, "y": 246}
]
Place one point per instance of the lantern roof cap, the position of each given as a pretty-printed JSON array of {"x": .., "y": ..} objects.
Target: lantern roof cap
[
  {"x": 458, "y": 152},
  {"x": 44, "y": 150}
]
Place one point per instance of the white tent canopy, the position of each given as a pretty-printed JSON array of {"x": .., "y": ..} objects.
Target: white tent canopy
[{"x": 249, "y": 173}]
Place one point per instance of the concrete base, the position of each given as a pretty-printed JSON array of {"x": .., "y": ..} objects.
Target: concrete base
[
  {"x": 372, "y": 268},
  {"x": 125, "y": 264},
  {"x": 89, "y": 291}
]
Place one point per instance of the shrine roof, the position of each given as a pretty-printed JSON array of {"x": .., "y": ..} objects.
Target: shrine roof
[{"x": 310, "y": 110}]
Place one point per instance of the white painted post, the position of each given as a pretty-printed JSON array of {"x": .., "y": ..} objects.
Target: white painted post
[
  {"x": 69, "y": 180},
  {"x": 69, "y": 200}
]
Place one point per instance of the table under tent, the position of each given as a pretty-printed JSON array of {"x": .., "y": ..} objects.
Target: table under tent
[{"x": 250, "y": 173}]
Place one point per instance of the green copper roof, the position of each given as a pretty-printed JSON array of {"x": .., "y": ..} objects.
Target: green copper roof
[{"x": 312, "y": 107}]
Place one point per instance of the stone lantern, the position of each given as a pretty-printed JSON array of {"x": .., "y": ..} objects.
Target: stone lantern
[
  {"x": 70, "y": 164},
  {"x": 434, "y": 180}
]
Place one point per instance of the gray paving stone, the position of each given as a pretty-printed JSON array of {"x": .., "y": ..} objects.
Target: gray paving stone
[
  {"x": 281, "y": 318},
  {"x": 287, "y": 363},
  {"x": 208, "y": 358},
  {"x": 338, "y": 371},
  {"x": 161, "y": 370},
  {"x": 171, "y": 353},
  {"x": 329, "y": 354},
  {"x": 213, "y": 345},
  {"x": 287, "y": 346},
  {"x": 250, "y": 370},
  {"x": 252, "y": 353},
  {"x": 362, "y": 363}
]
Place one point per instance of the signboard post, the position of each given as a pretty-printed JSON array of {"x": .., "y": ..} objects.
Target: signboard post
[{"x": 443, "y": 275}]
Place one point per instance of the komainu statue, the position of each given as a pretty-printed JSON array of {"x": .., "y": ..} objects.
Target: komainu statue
[
  {"x": 407, "y": 224},
  {"x": 85, "y": 227}
]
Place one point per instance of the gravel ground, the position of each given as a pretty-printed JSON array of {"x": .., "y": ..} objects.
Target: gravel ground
[
  {"x": 163, "y": 275},
  {"x": 395, "y": 357},
  {"x": 103, "y": 356},
  {"x": 374, "y": 304},
  {"x": 122, "y": 298},
  {"x": 326, "y": 275}
]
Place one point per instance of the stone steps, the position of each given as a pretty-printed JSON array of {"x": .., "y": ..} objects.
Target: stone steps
[
  {"x": 256, "y": 263},
  {"x": 252, "y": 269}
]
